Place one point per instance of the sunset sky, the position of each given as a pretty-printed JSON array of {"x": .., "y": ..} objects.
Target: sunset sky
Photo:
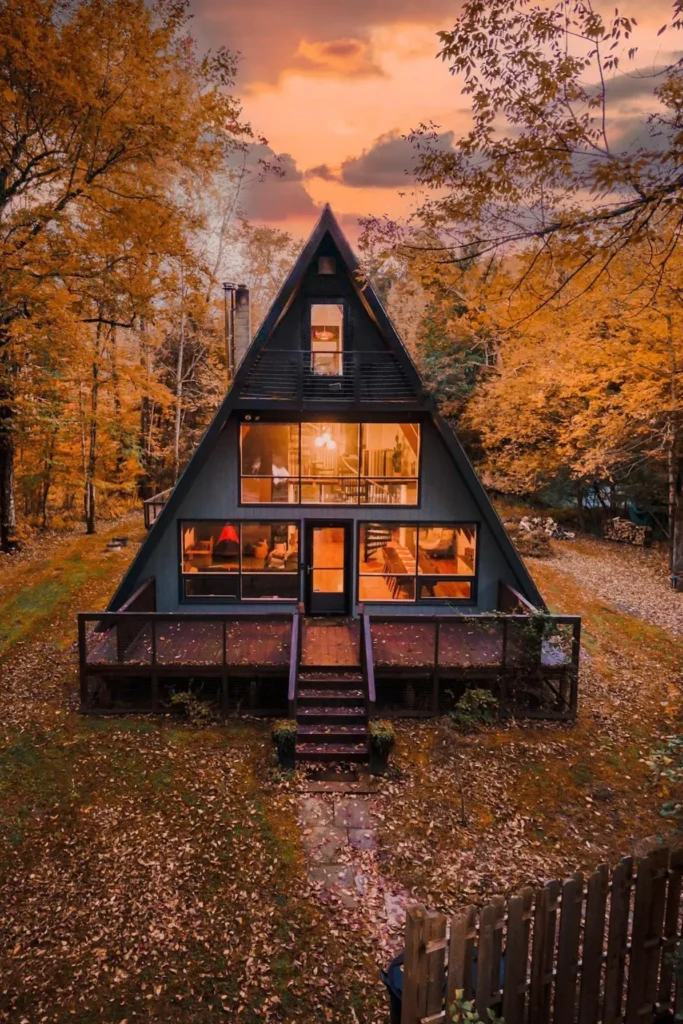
[{"x": 333, "y": 87}]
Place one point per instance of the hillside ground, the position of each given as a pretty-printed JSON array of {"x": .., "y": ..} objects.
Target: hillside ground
[{"x": 154, "y": 871}]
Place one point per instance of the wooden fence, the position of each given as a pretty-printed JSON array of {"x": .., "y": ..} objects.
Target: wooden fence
[{"x": 595, "y": 951}]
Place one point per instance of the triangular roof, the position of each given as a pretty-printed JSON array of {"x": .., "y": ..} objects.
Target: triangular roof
[{"x": 327, "y": 224}]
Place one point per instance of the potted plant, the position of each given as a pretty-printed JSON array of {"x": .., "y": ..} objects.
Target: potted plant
[
  {"x": 382, "y": 740},
  {"x": 284, "y": 737}
]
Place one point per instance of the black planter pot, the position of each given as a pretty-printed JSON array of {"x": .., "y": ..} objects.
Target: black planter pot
[
  {"x": 286, "y": 759},
  {"x": 379, "y": 763}
]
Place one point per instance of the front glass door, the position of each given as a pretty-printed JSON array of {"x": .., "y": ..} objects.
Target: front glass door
[{"x": 327, "y": 574}]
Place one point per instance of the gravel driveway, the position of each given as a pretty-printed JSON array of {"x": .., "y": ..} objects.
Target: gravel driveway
[{"x": 634, "y": 580}]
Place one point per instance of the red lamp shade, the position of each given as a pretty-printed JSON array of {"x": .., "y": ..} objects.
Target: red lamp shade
[{"x": 229, "y": 533}]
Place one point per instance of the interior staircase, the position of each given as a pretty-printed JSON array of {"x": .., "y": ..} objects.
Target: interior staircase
[{"x": 331, "y": 714}]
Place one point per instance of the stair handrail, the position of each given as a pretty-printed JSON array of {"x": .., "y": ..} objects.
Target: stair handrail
[
  {"x": 367, "y": 663},
  {"x": 294, "y": 659}
]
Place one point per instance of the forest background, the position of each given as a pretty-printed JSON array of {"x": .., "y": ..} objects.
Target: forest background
[{"x": 537, "y": 282}]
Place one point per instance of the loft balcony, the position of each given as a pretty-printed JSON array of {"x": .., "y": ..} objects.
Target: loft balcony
[{"x": 353, "y": 378}]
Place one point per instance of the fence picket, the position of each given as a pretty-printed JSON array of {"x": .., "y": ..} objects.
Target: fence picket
[
  {"x": 568, "y": 950},
  {"x": 671, "y": 931},
  {"x": 517, "y": 957},
  {"x": 639, "y": 964},
  {"x": 414, "y": 964},
  {"x": 497, "y": 954},
  {"x": 545, "y": 917},
  {"x": 634, "y": 938},
  {"x": 461, "y": 955},
  {"x": 430, "y": 999},
  {"x": 593, "y": 941},
  {"x": 617, "y": 940},
  {"x": 488, "y": 955},
  {"x": 660, "y": 860}
]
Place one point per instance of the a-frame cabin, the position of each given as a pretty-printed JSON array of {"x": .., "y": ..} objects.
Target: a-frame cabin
[{"x": 327, "y": 499}]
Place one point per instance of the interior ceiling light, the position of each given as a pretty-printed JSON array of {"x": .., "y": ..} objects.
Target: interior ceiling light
[
  {"x": 324, "y": 335},
  {"x": 325, "y": 440}
]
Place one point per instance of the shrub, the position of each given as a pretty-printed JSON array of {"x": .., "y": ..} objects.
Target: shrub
[
  {"x": 284, "y": 735},
  {"x": 382, "y": 737},
  {"x": 198, "y": 711},
  {"x": 463, "y": 1012},
  {"x": 474, "y": 709}
]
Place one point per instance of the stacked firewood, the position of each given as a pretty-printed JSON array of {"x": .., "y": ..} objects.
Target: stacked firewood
[
  {"x": 544, "y": 524},
  {"x": 626, "y": 532}
]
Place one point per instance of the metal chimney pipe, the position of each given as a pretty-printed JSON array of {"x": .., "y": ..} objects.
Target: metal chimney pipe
[
  {"x": 229, "y": 290},
  {"x": 242, "y": 323}
]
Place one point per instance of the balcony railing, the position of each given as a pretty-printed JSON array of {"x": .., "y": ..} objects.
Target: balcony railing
[
  {"x": 152, "y": 507},
  {"x": 351, "y": 377}
]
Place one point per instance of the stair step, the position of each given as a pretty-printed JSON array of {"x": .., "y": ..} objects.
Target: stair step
[
  {"x": 337, "y": 712},
  {"x": 334, "y": 696},
  {"x": 305, "y": 675},
  {"x": 333, "y": 731},
  {"x": 324, "y": 683},
  {"x": 331, "y": 751}
]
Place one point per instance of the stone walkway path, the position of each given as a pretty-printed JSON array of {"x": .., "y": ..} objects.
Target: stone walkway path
[{"x": 340, "y": 843}]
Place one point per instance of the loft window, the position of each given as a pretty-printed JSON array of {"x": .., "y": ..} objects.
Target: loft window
[
  {"x": 330, "y": 463},
  {"x": 270, "y": 463},
  {"x": 247, "y": 560},
  {"x": 429, "y": 562},
  {"x": 327, "y": 338},
  {"x": 327, "y": 265}
]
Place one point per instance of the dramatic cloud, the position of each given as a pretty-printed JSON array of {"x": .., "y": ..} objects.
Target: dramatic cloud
[
  {"x": 274, "y": 195},
  {"x": 388, "y": 163},
  {"x": 348, "y": 57},
  {"x": 641, "y": 82},
  {"x": 308, "y": 36}
]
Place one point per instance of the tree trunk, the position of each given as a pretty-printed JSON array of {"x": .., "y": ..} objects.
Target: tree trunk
[
  {"x": 579, "y": 505},
  {"x": 8, "y": 516},
  {"x": 179, "y": 383},
  {"x": 676, "y": 517},
  {"x": 91, "y": 465},
  {"x": 118, "y": 405},
  {"x": 47, "y": 478},
  {"x": 144, "y": 480}
]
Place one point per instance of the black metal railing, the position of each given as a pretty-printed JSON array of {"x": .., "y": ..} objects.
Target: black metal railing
[
  {"x": 152, "y": 507},
  {"x": 287, "y": 375}
]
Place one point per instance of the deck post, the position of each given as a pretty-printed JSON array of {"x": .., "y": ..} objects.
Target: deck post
[
  {"x": 155, "y": 677},
  {"x": 435, "y": 673},
  {"x": 82, "y": 663},
  {"x": 576, "y": 654},
  {"x": 503, "y": 670},
  {"x": 224, "y": 673}
]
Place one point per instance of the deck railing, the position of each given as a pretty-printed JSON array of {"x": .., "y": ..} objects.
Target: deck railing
[
  {"x": 294, "y": 662},
  {"x": 367, "y": 664},
  {"x": 159, "y": 645},
  {"x": 531, "y": 662},
  {"x": 151, "y": 507},
  {"x": 413, "y": 665},
  {"x": 357, "y": 377}
]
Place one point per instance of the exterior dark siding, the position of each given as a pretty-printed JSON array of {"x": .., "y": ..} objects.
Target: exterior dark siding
[{"x": 215, "y": 495}]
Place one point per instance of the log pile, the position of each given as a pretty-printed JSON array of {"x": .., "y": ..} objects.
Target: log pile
[
  {"x": 546, "y": 525},
  {"x": 626, "y": 532}
]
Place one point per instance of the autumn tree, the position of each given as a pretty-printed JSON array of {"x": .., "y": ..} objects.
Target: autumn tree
[
  {"x": 545, "y": 176},
  {"x": 95, "y": 93},
  {"x": 588, "y": 391}
]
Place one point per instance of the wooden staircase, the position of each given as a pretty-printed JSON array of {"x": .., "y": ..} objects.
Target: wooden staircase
[{"x": 332, "y": 705}]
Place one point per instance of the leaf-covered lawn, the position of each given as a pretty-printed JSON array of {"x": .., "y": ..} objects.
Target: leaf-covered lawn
[
  {"x": 146, "y": 872},
  {"x": 151, "y": 871},
  {"x": 540, "y": 801}
]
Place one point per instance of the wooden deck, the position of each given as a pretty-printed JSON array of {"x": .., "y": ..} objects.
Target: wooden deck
[{"x": 419, "y": 662}]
